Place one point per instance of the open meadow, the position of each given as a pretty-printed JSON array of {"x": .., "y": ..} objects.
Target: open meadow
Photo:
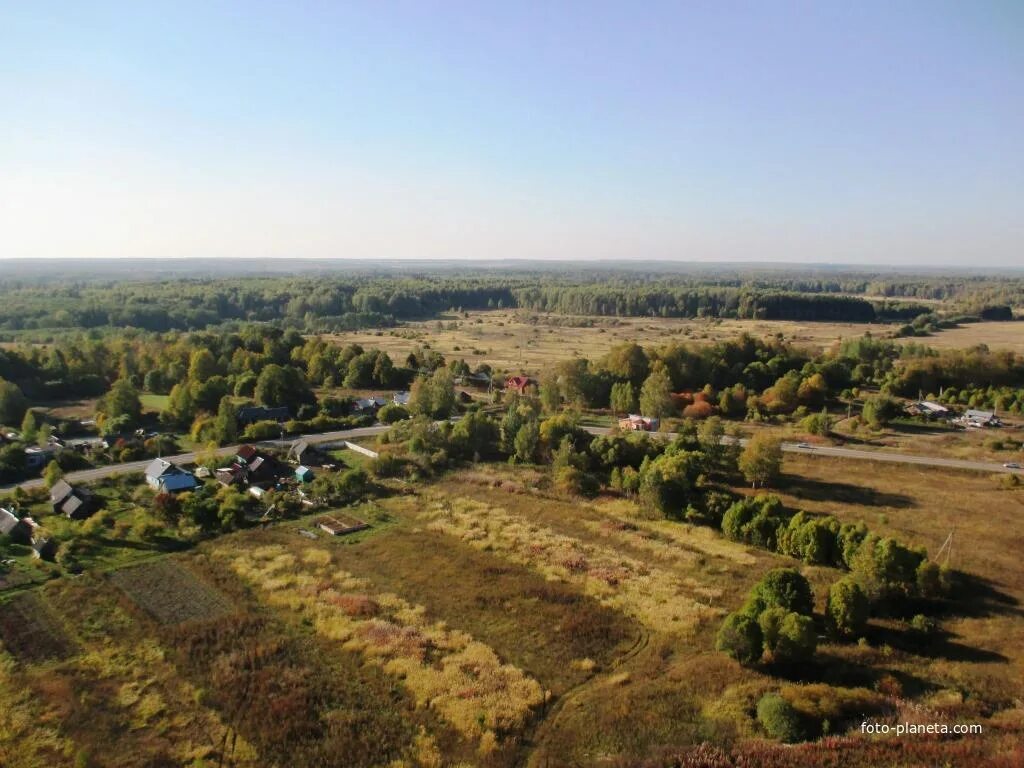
[
  {"x": 490, "y": 620},
  {"x": 528, "y": 341}
]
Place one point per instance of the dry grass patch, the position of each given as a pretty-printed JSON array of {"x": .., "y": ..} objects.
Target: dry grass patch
[
  {"x": 654, "y": 596},
  {"x": 445, "y": 669}
]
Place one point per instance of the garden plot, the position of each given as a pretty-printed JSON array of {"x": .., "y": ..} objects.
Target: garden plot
[
  {"x": 30, "y": 630},
  {"x": 169, "y": 593}
]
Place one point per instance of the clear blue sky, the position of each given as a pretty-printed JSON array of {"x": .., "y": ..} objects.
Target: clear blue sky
[{"x": 877, "y": 132}]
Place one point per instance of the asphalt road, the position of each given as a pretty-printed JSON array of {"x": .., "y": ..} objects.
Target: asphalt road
[{"x": 938, "y": 462}]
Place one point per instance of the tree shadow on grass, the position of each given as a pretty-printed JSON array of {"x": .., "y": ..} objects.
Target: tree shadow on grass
[
  {"x": 842, "y": 672},
  {"x": 939, "y": 645},
  {"x": 842, "y": 493}
]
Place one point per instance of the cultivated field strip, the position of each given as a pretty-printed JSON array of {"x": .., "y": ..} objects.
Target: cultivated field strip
[
  {"x": 654, "y": 596},
  {"x": 445, "y": 669},
  {"x": 31, "y": 631},
  {"x": 170, "y": 593}
]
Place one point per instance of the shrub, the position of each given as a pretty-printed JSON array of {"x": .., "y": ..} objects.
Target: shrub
[
  {"x": 391, "y": 413},
  {"x": 779, "y": 719},
  {"x": 846, "y": 608},
  {"x": 740, "y": 637}
]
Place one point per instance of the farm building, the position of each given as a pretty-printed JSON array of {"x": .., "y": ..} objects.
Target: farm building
[
  {"x": 303, "y": 474},
  {"x": 165, "y": 477},
  {"x": 973, "y": 418},
  {"x": 636, "y": 423},
  {"x": 929, "y": 410},
  {"x": 73, "y": 503},
  {"x": 340, "y": 525},
  {"x": 44, "y": 548}
]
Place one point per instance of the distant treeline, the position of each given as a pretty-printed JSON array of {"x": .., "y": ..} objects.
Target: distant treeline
[{"x": 334, "y": 303}]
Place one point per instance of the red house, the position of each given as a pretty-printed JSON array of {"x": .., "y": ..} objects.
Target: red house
[{"x": 518, "y": 384}]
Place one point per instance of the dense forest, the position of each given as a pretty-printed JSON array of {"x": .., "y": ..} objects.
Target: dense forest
[{"x": 333, "y": 300}]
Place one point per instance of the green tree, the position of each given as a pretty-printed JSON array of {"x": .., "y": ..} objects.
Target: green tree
[
  {"x": 13, "y": 402},
  {"x": 226, "y": 424},
  {"x": 878, "y": 411},
  {"x": 740, "y": 637},
  {"x": 526, "y": 441},
  {"x": 549, "y": 393},
  {"x": 781, "y": 587},
  {"x": 656, "y": 394},
  {"x": 52, "y": 474},
  {"x": 623, "y": 398},
  {"x": 122, "y": 403},
  {"x": 761, "y": 460},
  {"x": 30, "y": 426},
  {"x": 797, "y": 640},
  {"x": 627, "y": 361},
  {"x": 202, "y": 365}
]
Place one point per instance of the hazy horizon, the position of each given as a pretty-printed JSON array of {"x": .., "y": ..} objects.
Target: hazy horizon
[{"x": 870, "y": 136}]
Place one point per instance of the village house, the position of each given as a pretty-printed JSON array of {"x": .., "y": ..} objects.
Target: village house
[
  {"x": 251, "y": 468},
  {"x": 38, "y": 457},
  {"x": 253, "y": 413},
  {"x": 636, "y": 423},
  {"x": 518, "y": 384},
  {"x": 164, "y": 477},
  {"x": 370, "y": 404},
  {"x": 12, "y": 526},
  {"x": 401, "y": 398},
  {"x": 73, "y": 503}
]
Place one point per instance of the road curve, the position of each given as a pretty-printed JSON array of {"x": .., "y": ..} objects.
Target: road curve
[{"x": 87, "y": 475}]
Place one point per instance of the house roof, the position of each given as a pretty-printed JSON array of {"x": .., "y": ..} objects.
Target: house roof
[
  {"x": 8, "y": 521},
  {"x": 517, "y": 381},
  {"x": 984, "y": 415},
  {"x": 60, "y": 491},
  {"x": 247, "y": 453},
  {"x": 159, "y": 468},
  {"x": 72, "y": 505},
  {"x": 260, "y": 412}
]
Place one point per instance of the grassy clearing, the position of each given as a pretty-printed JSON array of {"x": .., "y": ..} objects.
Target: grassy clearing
[
  {"x": 169, "y": 593},
  {"x": 153, "y": 403},
  {"x": 995, "y": 335},
  {"x": 348, "y": 458}
]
